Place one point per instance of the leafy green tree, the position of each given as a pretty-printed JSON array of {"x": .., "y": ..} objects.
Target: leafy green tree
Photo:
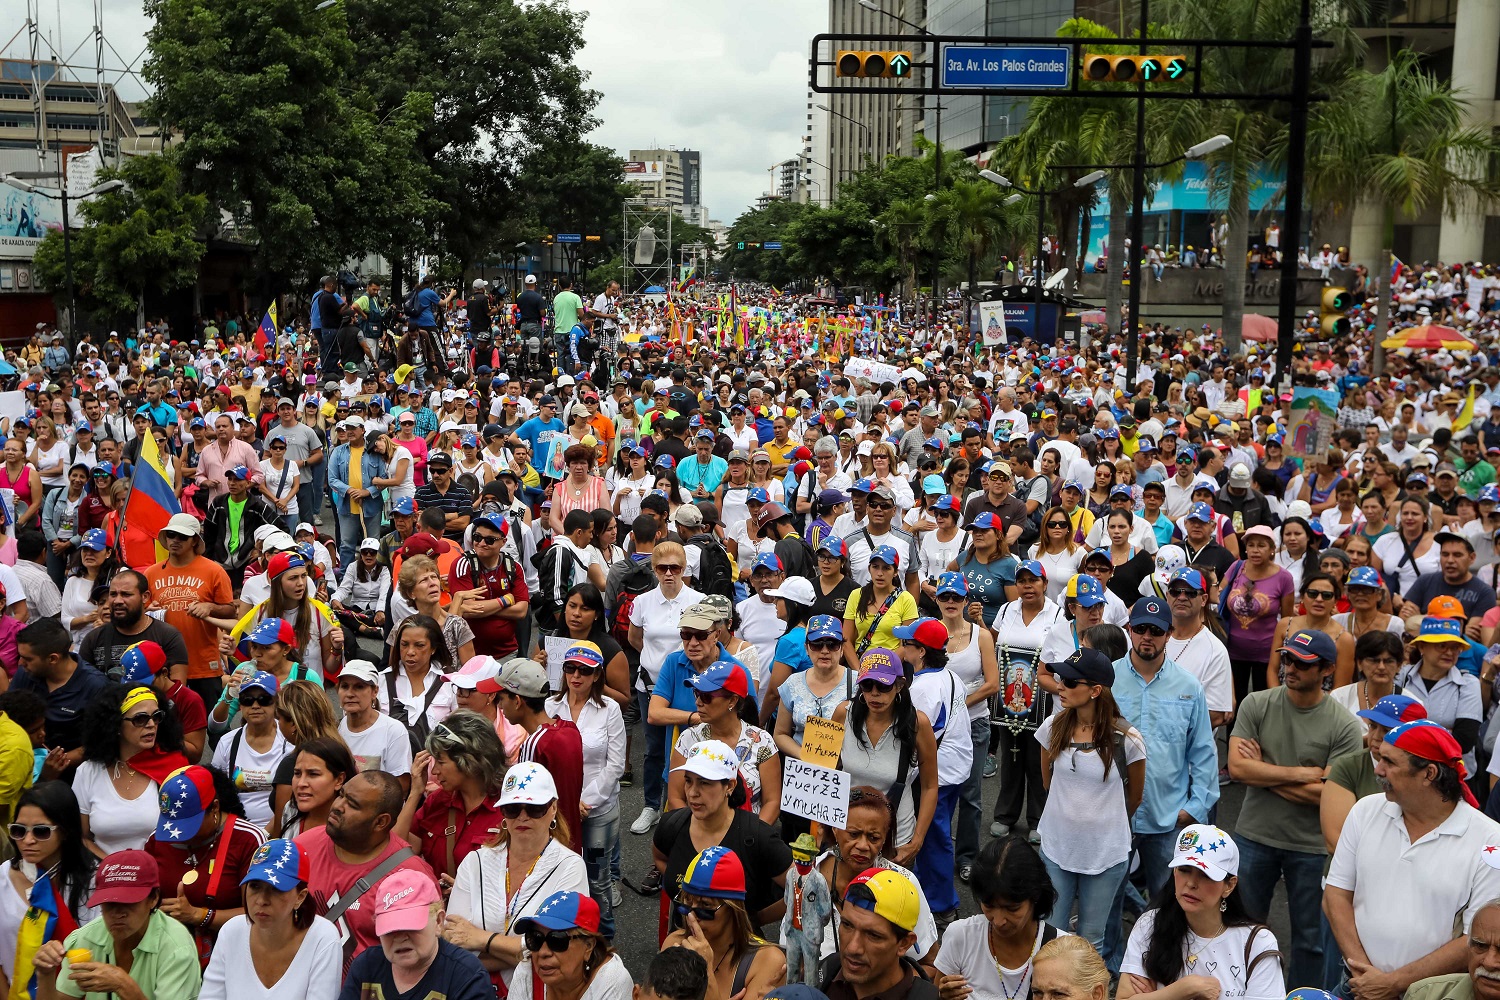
[
  {"x": 973, "y": 214},
  {"x": 146, "y": 236},
  {"x": 772, "y": 222}
]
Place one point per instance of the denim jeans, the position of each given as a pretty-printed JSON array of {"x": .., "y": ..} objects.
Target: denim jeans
[
  {"x": 1154, "y": 851},
  {"x": 601, "y": 833},
  {"x": 969, "y": 824},
  {"x": 1261, "y": 867},
  {"x": 310, "y": 493},
  {"x": 933, "y": 865},
  {"x": 654, "y": 780},
  {"x": 1095, "y": 895},
  {"x": 1333, "y": 959},
  {"x": 352, "y": 530},
  {"x": 327, "y": 354}
]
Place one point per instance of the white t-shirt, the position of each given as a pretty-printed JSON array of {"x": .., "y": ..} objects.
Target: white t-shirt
[
  {"x": 315, "y": 971},
  {"x": 760, "y": 627},
  {"x": 656, "y": 617},
  {"x": 55, "y": 455},
  {"x": 1085, "y": 824},
  {"x": 1222, "y": 958},
  {"x": 934, "y": 554},
  {"x": 1205, "y": 657},
  {"x": 408, "y": 485},
  {"x": 274, "y": 480},
  {"x": 611, "y": 982},
  {"x": 965, "y": 951},
  {"x": 382, "y": 747},
  {"x": 116, "y": 824},
  {"x": 252, "y": 772},
  {"x": 940, "y": 695}
]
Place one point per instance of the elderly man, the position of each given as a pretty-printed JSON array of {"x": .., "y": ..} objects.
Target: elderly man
[
  {"x": 413, "y": 958},
  {"x": 1412, "y": 867},
  {"x": 1482, "y": 980}
]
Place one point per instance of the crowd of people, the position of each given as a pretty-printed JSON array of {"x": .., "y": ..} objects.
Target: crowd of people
[{"x": 450, "y": 576}]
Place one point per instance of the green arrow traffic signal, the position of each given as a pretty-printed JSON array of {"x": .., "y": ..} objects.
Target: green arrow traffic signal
[
  {"x": 1150, "y": 68},
  {"x": 900, "y": 64},
  {"x": 1175, "y": 68},
  {"x": 741, "y": 245}
]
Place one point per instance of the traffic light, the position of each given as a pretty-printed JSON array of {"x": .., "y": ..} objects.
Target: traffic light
[
  {"x": 872, "y": 65},
  {"x": 1103, "y": 68},
  {"x": 592, "y": 239},
  {"x": 1334, "y": 303}
]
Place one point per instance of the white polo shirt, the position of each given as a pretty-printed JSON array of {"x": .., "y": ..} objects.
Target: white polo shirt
[
  {"x": 1406, "y": 895},
  {"x": 656, "y": 616}
]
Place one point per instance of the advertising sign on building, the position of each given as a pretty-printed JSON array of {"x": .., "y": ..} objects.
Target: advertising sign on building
[{"x": 645, "y": 171}]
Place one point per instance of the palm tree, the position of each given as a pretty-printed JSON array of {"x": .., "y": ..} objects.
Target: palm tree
[
  {"x": 973, "y": 215},
  {"x": 900, "y": 227}
]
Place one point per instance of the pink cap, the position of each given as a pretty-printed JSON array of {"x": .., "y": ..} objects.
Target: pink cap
[{"x": 403, "y": 901}]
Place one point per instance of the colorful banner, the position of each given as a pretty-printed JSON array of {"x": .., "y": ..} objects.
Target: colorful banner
[{"x": 1311, "y": 422}]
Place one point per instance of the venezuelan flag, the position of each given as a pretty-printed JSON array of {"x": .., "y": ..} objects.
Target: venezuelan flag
[
  {"x": 265, "y": 334},
  {"x": 151, "y": 502}
]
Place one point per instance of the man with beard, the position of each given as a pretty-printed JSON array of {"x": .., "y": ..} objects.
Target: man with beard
[
  {"x": 357, "y": 845},
  {"x": 129, "y": 593}
]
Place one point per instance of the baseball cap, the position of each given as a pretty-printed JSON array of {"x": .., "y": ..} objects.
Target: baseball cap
[
  {"x": 1086, "y": 590},
  {"x": 824, "y": 627},
  {"x": 360, "y": 670},
  {"x": 1087, "y": 665},
  {"x": 1439, "y": 630},
  {"x": 886, "y": 554},
  {"x": 369, "y": 545},
  {"x": 1365, "y": 576},
  {"x": 929, "y": 632},
  {"x": 1201, "y": 511},
  {"x": 1208, "y": 849},
  {"x": 688, "y": 515},
  {"x": 1446, "y": 606},
  {"x": 269, "y": 630},
  {"x": 797, "y": 589},
  {"x": 563, "y": 911},
  {"x": 1192, "y": 577},
  {"x": 1452, "y": 536},
  {"x": 880, "y": 665},
  {"x": 698, "y": 616},
  {"x": 238, "y": 472},
  {"x": 184, "y": 800},
  {"x": 1151, "y": 611},
  {"x": 184, "y": 524},
  {"x": 1239, "y": 475},
  {"x": 1033, "y": 567},
  {"x": 716, "y": 873},
  {"x": 1309, "y": 646},
  {"x": 476, "y": 671},
  {"x": 278, "y": 863},
  {"x": 141, "y": 662},
  {"x": 527, "y": 783},
  {"x": 524, "y": 677},
  {"x": 770, "y": 513},
  {"x": 952, "y": 583},
  {"x": 283, "y": 562},
  {"x": 947, "y": 502},
  {"x": 1394, "y": 709},
  {"x": 261, "y": 679},
  {"x": 711, "y": 759},
  {"x": 834, "y": 545},
  {"x": 125, "y": 877},
  {"x": 403, "y": 901},
  {"x": 95, "y": 539},
  {"x": 887, "y": 894},
  {"x": 405, "y": 506},
  {"x": 984, "y": 522},
  {"x": 725, "y": 675}
]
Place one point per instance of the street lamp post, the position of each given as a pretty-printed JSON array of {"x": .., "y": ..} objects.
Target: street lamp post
[
  {"x": 869, "y": 136},
  {"x": 60, "y": 193}
]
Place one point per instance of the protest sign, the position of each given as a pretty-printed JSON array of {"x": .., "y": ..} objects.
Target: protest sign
[
  {"x": 817, "y": 793},
  {"x": 822, "y": 742}
]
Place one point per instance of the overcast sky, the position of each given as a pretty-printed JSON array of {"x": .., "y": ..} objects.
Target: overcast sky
[{"x": 728, "y": 79}]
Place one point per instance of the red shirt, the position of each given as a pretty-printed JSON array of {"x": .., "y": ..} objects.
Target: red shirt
[
  {"x": 175, "y": 860},
  {"x": 493, "y": 635},
  {"x": 329, "y": 878},
  {"x": 190, "y": 710},
  {"x": 473, "y": 828},
  {"x": 558, "y": 746}
]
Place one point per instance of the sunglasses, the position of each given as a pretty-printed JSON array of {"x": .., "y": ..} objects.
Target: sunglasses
[
  {"x": 263, "y": 701},
  {"x": 668, "y": 568},
  {"x": 487, "y": 539},
  {"x": 1155, "y": 631},
  {"x": 1181, "y": 592},
  {"x": 574, "y": 667},
  {"x": 556, "y": 941},
  {"x": 874, "y": 687},
  {"x": 172, "y": 536},
  {"x": 706, "y": 696},
  {"x": 880, "y": 505},
  {"x": 1072, "y": 682},
  {"x": 278, "y": 447},
  {"x": 825, "y": 645},
  {"x": 701, "y": 912},
  {"x": 41, "y": 831},
  {"x": 143, "y": 719},
  {"x": 1057, "y": 524},
  {"x": 692, "y": 634},
  {"x": 535, "y": 810},
  {"x": 1318, "y": 595}
]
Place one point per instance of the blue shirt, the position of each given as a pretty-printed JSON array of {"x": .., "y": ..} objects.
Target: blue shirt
[
  {"x": 1163, "y": 527},
  {"x": 791, "y": 649},
  {"x": 691, "y": 473},
  {"x": 672, "y": 682},
  {"x": 535, "y": 431},
  {"x": 1171, "y": 714},
  {"x": 428, "y": 300}
]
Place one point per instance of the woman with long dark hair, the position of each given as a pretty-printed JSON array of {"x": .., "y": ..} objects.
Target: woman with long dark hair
[
  {"x": 413, "y": 687},
  {"x": 89, "y": 572},
  {"x": 131, "y": 743},
  {"x": 711, "y": 905},
  {"x": 320, "y": 766},
  {"x": 832, "y": 585},
  {"x": 52, "y": 871},
  {"x": 1320, "y": 594},
  {"x": 1197, "y": 938},
  {"x": 583, "y": 620}
]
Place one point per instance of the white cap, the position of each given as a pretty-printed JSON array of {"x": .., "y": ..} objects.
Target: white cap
[
  {"x": 474, "y": 670},
  {"x": 865, "y": 448},
  {"x": 304, "y": 526},
  {"x": 793, "y": 588},
  {"x": 527, "y": 783},
  {"x": 185, "y": 524},
  {"x": 367, "y": 545},
  {"x": 481, "y": 283},
  {"x": 278, "y": 541},
  {"x": 531, "y": 279},
  {"x": 1208, "y": 849},
  {"x": 711, "y": 759},
  {"x": 360, "y": 670},
  {"x": 563, "y": 380},
  {"x": 354, "y": 422},
  {"x": 263, "y": 532}
]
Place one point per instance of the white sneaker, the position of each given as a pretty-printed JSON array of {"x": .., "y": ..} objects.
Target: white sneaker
[
  {"x": 614, "y": 895},
  {"x": 645, "y": 821}
]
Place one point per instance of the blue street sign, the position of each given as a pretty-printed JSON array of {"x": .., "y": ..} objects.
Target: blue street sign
[
  {"x": 771, "y": 245},
  {"x": 1045, "y": 67},
  {"x": 570, "y": 237}
]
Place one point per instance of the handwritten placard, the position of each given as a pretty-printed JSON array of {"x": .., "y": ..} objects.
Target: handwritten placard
[
  {"x": 876, "y": 371},
  {"x": 822, "y": 742},
  {"x": 817, "y": 793},
  {"x": 557, "y": 648}
]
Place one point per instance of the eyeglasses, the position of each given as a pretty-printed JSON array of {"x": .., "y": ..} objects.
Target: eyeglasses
[
  {"x": 825, "y": 645},
  {"x": 668, "y": 568},
  {"x": 487, "y": 539},
  {"x": 555, "y": 941},
  {"x": 262, "y": 701},
  {"x": 1057, "y": 524},
  {"x": 1181, "y": 592},
  {"x": 41, "y": 831},
  {"x": 701, "y": 912},
  {"x": 1155, "y": 631},
  {"x": 574, "y": 667},
  {"x": 692, "y": 635},
  {"x": 1319, "y": 595},
  {"x": 874, "y": 686},
  {"x": 535, "y": 810},
  {"x": 143, "y": 719}
]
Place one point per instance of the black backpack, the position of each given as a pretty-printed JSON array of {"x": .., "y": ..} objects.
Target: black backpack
[
  {"x": 418, "y": 729},
  {"x": 411, "y": 306},
  {"x": 547, "y": 600},
  {"x": 715, "y": 572}
]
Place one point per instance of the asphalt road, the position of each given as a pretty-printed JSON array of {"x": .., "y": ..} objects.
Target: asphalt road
[{"x": 637, "y": 919}]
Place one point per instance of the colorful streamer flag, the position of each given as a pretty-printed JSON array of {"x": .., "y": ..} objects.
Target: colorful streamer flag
[
  {"x": 46, "y": 919},
  {"x": 151, "y": 502},
  {"x": 1397, "y": 267},
  {"x": 1466, "y": 415},
  {"x": 265, "y": 334}
]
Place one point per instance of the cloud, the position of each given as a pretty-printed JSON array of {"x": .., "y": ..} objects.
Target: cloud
[{"x": 727, "y": 79}]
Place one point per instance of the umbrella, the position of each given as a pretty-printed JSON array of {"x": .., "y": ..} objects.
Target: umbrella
[
  {"x": 1254, "y": 326},
  {"x": 1429, "y": 337}
]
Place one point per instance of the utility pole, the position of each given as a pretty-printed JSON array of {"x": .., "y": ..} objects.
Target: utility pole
[
  {"x": 1295, "y": 170},
  {"x": 1137, "y": 220}
]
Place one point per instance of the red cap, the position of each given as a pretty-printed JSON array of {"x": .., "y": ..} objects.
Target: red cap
[
  {"x": 802, "y": 468},
  {"x": 423, "y": 544},
  {"x": 281, "y": 562},
  {"x": 125, "y": 877},
  {"x": 803, "y": 452}
]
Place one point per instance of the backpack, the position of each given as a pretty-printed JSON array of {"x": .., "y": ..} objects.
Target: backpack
[
  {"x": 715, "y": 574},
  {"x": 638, "y": 579},
  {"x": 416, "y": 731},
  {"x": 411, "y": 306},
  {"x": 547, "y": 600}
]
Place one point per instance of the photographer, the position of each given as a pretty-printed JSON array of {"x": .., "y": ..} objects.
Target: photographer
[{"x": 533, "y": 308}]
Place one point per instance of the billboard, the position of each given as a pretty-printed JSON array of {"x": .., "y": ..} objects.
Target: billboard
[
  {"x": 645, "y": 171},
  {"x": 25, "y": 217}
]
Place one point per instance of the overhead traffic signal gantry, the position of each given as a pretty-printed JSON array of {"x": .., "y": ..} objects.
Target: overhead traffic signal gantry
[
  {"x": 1102, "y": 67},
  {"x": 872, "y": 64}
]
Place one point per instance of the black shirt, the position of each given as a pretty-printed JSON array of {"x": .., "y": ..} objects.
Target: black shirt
[
  {"x": 761, "y": 851},
  {"x": 835, "y": 601},
  {"x": 532, "y": 305},
  {"x": 454, "y": 974},
  {"x": 458, "y": 500},
  {"x": 103, "y": 647},
  {"x": 351, "y": 350},
  {"x": 65, "y": 705}
]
